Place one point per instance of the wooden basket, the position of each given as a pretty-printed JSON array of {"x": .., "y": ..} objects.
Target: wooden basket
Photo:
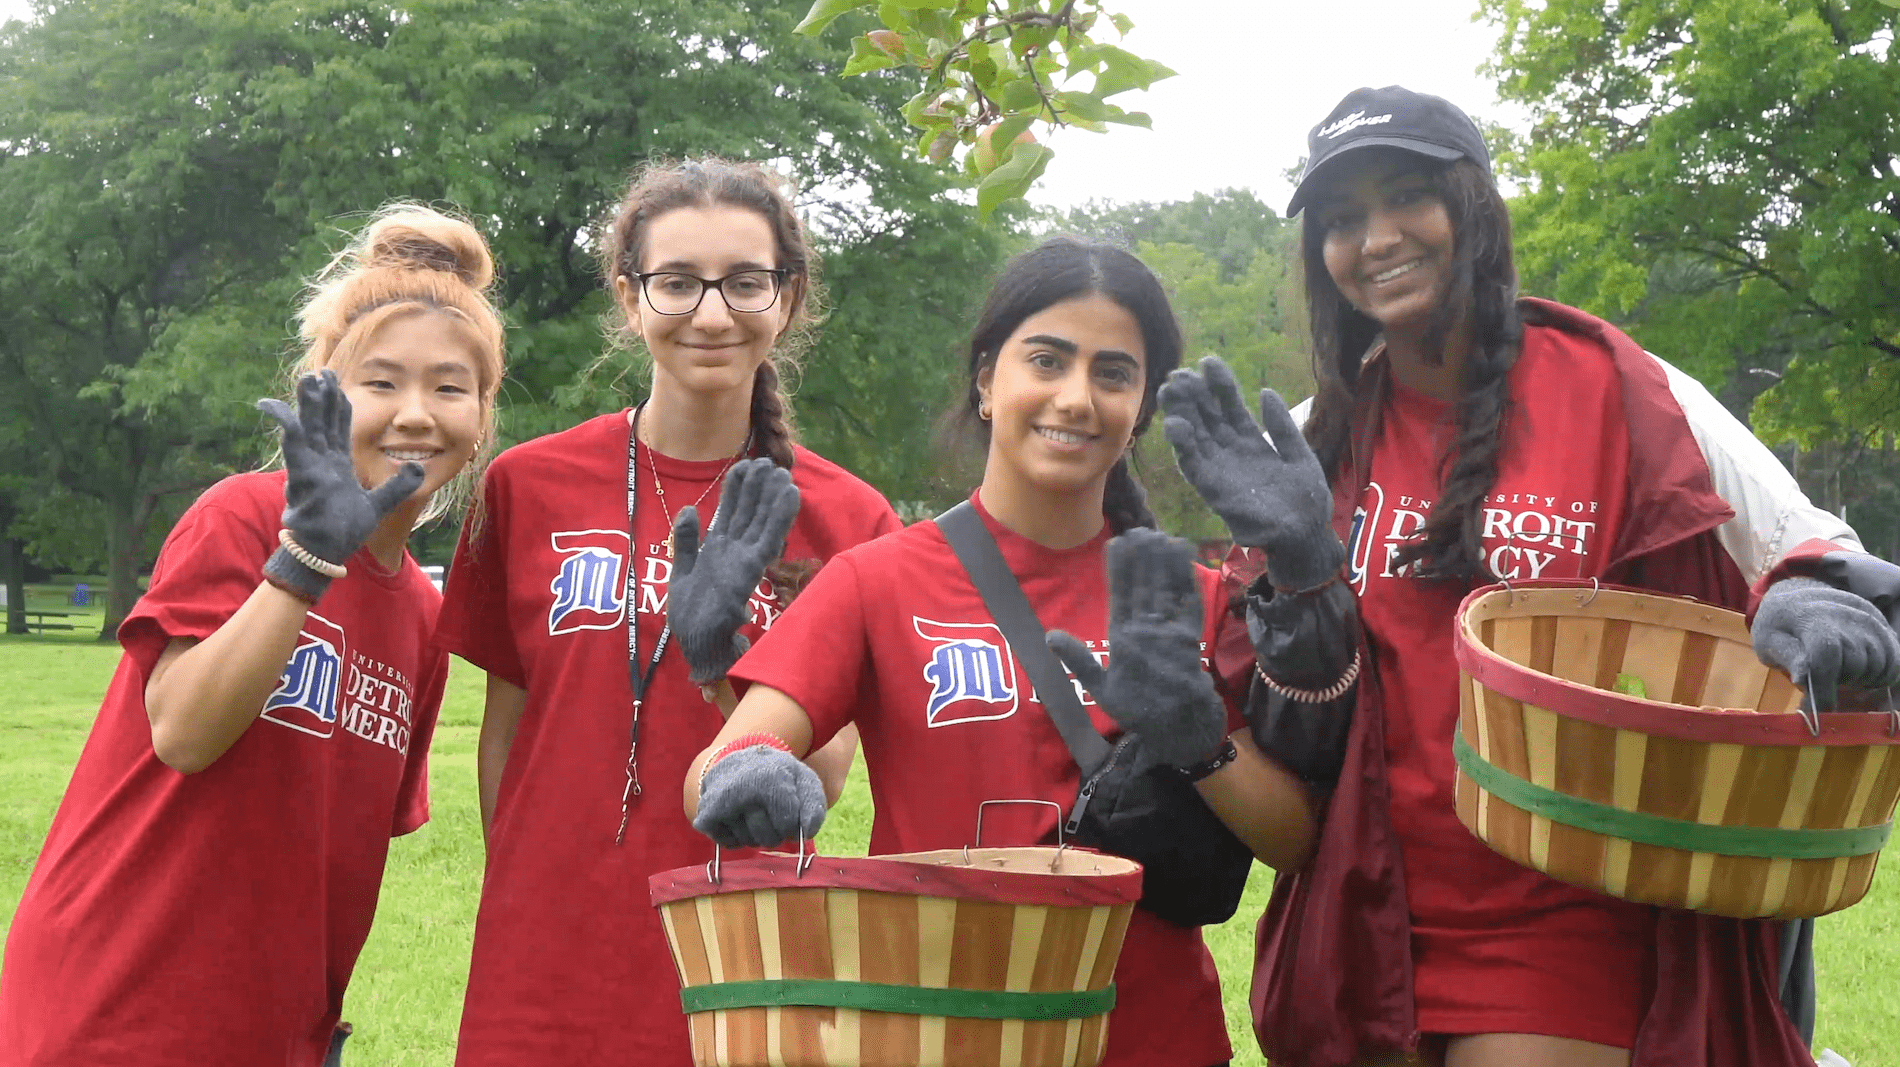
[
  {"x": 981, "y": 957},
  {"x": 1718, "y": 795}
]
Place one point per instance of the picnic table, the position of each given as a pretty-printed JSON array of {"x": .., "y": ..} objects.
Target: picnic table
[{"x": 36, "y": 620}]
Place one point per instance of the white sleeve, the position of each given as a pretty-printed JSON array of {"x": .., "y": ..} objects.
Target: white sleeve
[
  {"x": 1301, "y": 412},
  {"x": 1772, "y": 514}
]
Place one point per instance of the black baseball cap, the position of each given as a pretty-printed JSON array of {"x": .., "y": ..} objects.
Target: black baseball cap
[{"x": 1394, "y": 117}]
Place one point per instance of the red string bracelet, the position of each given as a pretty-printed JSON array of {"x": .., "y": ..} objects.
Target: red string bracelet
[{"x": 743, "y": 741}]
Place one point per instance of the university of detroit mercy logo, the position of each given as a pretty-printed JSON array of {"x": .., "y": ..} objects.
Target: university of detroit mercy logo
[
  {"x": 972, "y": 676},
  {"x": 590, "y": 588},
  {"x": 309, "y": 694}
]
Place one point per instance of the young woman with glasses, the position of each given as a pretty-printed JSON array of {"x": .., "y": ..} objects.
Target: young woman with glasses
[{"x": 606, "y": 609}]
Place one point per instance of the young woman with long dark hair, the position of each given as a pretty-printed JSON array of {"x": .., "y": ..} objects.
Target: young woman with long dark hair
[
  {"x": 605, "y": 608},
  {"x": 1064, "y": 366},
  {"x": 1465, "y": 434}
]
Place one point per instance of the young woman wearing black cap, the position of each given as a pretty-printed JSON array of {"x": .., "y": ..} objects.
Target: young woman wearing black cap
[{"x": 1461, "y": 434}]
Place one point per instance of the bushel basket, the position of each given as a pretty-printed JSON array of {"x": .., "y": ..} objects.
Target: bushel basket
[
  {"x": 980, "y": 957},
  {"x": 1714, "y": 792}
]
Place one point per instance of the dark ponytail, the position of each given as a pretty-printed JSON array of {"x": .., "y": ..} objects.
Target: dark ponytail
[
  {"x": 771, "y": 422},
  {"x": 1124, "y": 501},
  {"x": 772, "y": 436},
  {"x": 1065, "y": 268}
]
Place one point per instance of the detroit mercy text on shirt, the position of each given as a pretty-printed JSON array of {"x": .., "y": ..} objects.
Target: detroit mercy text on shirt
[
  {"x": 1526, "y": 535},
  {"x": 326, "y": 685},
  {"x": 590, "y": 587}
]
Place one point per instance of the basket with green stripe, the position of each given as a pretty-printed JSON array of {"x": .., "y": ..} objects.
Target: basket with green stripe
[
  {"x": 1699, "y": 785},
  {"x": 980, "y": 957}
]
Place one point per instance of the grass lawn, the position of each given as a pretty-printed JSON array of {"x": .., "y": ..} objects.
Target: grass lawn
[{"x": 407, "y": 995}]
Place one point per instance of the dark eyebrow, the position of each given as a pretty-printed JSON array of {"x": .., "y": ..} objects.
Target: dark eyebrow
[
  {"x": 1115, "y": 355},
  {"x": 681, "y": 266},
  {"x": 1060, "y": 344}
]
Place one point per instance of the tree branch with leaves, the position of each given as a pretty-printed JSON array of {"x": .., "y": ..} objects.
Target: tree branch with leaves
[{"x": 992, "y": 71}]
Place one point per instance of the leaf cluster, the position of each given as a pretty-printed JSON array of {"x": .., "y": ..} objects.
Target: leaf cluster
[{"x": 991, "y": 70}]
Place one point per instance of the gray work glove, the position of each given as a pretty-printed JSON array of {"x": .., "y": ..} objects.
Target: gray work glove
[
  {"x": 1825, "y": 638},
  {"x": 1154, "y": 685},
  {"x": 326, "y": 508},
  {"x": 1271, "y": 496},
  {"x": 759, "y": 797},
  {"x": 708, "y": 596}
]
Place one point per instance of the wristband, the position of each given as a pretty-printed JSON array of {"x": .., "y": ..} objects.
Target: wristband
[
  {"x": 287, "y": 572},
  {"x": 308, "y": 558},
  {"x": 739, "y": 743},
  {"x": 1314, "y": 696},
  {"x": 1222, "y": 756}
]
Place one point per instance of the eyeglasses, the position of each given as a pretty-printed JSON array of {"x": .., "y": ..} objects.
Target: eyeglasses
[{"x": 669, "y": 293}]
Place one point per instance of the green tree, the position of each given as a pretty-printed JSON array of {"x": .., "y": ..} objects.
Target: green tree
[
  {"x": 1725, "y": 178},
  {"x": 174, "y": 170}
]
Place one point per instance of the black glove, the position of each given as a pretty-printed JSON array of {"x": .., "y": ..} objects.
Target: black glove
[
  {"x": 1271, "y": 496},
  {"x": 1304, "y": 643},
  {"x": 712, "y": 583},
  {"x": 326, "y": 509},
  {"x": 759, "y": 797},
  {"x": 1825, "y": 638},
  {"x": 1154, "y": 685}
]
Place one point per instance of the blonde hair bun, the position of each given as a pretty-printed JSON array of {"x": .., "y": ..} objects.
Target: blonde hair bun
[{"x": 414, "y": 237}]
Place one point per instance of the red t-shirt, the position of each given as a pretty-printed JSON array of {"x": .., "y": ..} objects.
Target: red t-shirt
[
  {"x": 1496, "y": 947},
  {"x": 213, "y": 919},
  {"x": 893, "y": 636},
  {"x": 571, "y": 964}
]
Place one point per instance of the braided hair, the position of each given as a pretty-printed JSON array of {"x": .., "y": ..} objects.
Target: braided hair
[{"x": 1484, "y": 284}]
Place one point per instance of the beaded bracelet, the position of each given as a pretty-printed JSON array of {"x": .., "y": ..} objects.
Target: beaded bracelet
[
  {"x": 307, "y": 558},
  {"x": 743, "y": 741},
  {"x": 1314, "y": 696}
]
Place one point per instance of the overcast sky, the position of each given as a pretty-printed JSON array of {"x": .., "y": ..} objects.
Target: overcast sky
[{"x": 1253, "y": 77}]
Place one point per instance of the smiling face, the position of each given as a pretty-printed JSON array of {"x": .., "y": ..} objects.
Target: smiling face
[
  {"x": 713, "y": 348},
  {"x": 1064, "y": 394},
  {"x": 415, "y": 394},
  {"x": 1388, "y": 241}
]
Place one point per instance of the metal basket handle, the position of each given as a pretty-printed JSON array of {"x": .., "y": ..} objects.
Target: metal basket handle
[
  {"x": 803, "y": 863},
  {"x": 1061, "y": 845}
]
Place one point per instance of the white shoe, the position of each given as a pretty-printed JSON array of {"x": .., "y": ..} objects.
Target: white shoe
[{"x": 1830, "y": 1058}]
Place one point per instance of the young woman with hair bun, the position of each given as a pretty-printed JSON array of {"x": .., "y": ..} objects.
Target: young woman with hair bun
[
  {"x": 594, "y": 709},
  {"x": 214, "y": 865},
  {"x": 895, "y": 638}
]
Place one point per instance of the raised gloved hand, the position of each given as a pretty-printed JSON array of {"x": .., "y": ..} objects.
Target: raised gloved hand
[
  {"x": 759, "y": 797},
  {"x": 712, "y": 583},
  {"x": 327, "y": 512},
  {"x": 1271, "y": 496},
  {"x": 1825, "y": 638},
  {"x": 1154, "y": 685}
]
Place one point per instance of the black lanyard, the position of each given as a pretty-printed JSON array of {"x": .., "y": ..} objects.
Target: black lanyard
[{"x": 637, "y": 678}]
